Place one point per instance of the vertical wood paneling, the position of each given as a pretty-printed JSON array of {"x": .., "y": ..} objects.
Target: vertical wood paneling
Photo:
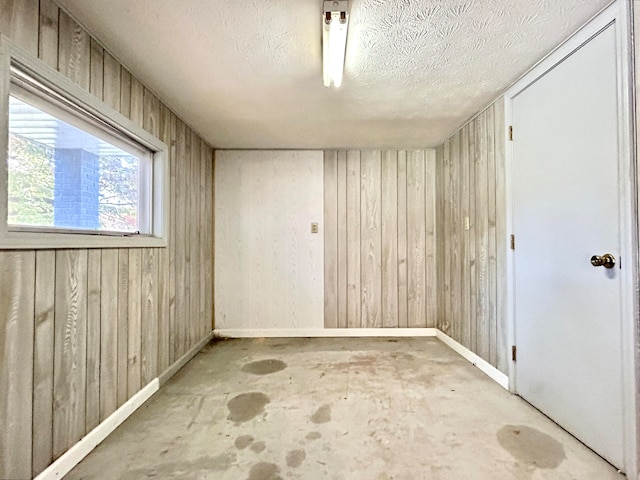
[
  {"x": 440, "y": 237},
  {"x": 83, "y": 330},
  {"x": 342, "y": 239},
  {"x": 331, "y": 239},
  {"x": 389, "y": 232},
  {"x": 453, "y": 236},
  {"x": 19, "y": 21},
  {"x": 48, "y": 34},
  {"x": 385, "y": 237},
  {"x": 501, "y": 237},
  {"x": 92, "y": 410},
  {"x": 431, "y": 277},
  {"x": 370, "y": 239},
  {"x": 123, "y": 325},
  {"x": 173, "y": 220},
  {"x": 109, "y": 323},
  {"x": 471, "y": 179},
  {"x": 74, "y": 51},
  {"x": 416, "y": 237},
  {"x": 17, "y": 285},
  {"x": 164, "y": 272},
  {"x": 482, "y": 238},
  {"x": 180, "y": 242},
  {"x": 353, "y": 239},
  {"x": 465, "y": 315},
  {"x": 445, "y": 326},
  {"x": 149, "y": 316},
  {"x": 111, "y": 94},
  {"x": 491, "y": 239},
  {"x": 43, "y": 360},
  {"x": 403, "y": 285},
  {"x": 134, "y": 325},
  {"x": 70, "y": 350}
]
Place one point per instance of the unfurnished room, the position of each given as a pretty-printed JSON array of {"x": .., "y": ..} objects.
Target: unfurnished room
[{"x": 319, "y": 239}]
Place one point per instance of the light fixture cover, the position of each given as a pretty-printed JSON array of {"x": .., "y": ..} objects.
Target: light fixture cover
[{"x": 335, "y": 21}]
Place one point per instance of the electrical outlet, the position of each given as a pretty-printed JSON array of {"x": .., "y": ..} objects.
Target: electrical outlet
[{"x": 314, "y": 228}]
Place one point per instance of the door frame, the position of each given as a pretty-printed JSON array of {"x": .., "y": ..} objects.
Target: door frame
[{"x": 619, "y": 13}]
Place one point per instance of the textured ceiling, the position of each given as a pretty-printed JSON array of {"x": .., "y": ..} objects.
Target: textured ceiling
[{"x": 248, "y": 73}]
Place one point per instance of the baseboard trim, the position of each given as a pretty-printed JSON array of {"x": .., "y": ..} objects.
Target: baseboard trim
[
  {"x": 323, "y": 332},
  {"x": 184, "y": 359},
  {"x": 484, "y": 366},
  {"x": 65, "y": 463}
]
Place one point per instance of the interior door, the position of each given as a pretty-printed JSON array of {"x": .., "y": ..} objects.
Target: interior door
[{"x": 565, "y": 188}]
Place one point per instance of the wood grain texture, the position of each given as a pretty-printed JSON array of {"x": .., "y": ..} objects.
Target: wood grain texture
[
  {"x": 431, "y": 277},
  {"x": 70, "y": 350},
  {"x": 123, "y": 326},
  {"x": 370, "y": 239},
  {"x": 385, "y": 237},
  {"x": 92, "y": 409},
  {"x": 84, "y": 344},
  {"x": 353, "y": 240},
  {"x": 74, "y": 52},
  {"x": 471, "y": 179},
  {"x": 17, "y": 296},
  {"x": 482, "y": 238},
  {"x": 501, "y": 237},
  {"x": 416, "y": 238},
  {"x": 342, "y": 238},
  {"x": 134, "y": 324},
  {"x": 19, "y": 21},
  {"x": 148, "y": 316},
  {"x": 43, "y": 360},
  {"x": 389, "y": 233},
  {"x": 48, "y": 33},
  {"x": 403, "y": 284},
  {"x": 111, "y": 87},
  {"x": 331, "y": 239},
  {"x": 109, "y": 333}
]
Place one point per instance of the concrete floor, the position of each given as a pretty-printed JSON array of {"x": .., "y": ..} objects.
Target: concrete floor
[{"x": 369, "y": 409}]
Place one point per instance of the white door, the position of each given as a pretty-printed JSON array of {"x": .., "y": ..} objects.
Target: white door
[
  {"x": 565, "y": 191},
  {"x": 269, "y": 268}
]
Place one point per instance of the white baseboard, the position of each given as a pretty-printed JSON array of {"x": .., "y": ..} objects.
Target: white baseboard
[
  {"x": 491, "y": 371},
  {"x": 323, "y": 332},
  {"x": 91, "y": 440}
]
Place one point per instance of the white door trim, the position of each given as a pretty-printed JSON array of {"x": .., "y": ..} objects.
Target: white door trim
[{"x": 619, "y": 14}]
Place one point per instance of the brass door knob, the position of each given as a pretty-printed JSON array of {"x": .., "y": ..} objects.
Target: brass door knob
[{"x": 607, "y": 261}]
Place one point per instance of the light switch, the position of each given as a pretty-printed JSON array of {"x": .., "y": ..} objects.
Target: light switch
[{"x": 314, "y": 228}]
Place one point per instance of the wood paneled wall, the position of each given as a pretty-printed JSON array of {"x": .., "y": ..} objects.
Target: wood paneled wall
[
  {"x": 380, "y": 238},
  {"x": 81, "y": 331},
  {"x": 472, "y": 237}
]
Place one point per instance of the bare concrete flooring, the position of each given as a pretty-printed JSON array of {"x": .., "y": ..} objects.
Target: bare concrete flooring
[{"x": 370, "y": 409}]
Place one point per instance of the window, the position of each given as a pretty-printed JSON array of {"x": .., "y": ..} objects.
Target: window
[{"x": 77, "y": 173}]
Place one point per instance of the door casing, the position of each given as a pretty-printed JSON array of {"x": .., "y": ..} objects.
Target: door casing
[{"x": 619, "y": 12}]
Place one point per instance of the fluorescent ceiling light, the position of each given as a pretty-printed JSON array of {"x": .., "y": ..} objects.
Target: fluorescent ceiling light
[{"x": 334, "y": 40}]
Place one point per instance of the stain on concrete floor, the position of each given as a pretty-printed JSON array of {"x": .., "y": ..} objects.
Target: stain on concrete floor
[
  {"x": 264, "y": 367},
  {"x": 313, "y": 435},
  {"x": 265, "y": 471},
  {"x": 322, "y": 415},
  {"x": 258, "y": 447},
  {"x": 531, "y": 446},
  {"x": 246, "y": 406},
  {"x": 243, "y": 441},
  {"x": 295, "y": 458}
]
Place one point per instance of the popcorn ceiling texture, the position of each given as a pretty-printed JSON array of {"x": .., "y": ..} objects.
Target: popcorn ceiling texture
[{"x": 248, "y": 73}]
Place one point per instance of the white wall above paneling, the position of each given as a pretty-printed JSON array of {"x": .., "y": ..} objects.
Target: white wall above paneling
[
  {"x": 248, "y": 74},
  {"x": 269, "y": 270}
]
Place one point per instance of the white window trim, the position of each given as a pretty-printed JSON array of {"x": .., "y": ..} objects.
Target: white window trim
[{"x": 33, "y": 239}]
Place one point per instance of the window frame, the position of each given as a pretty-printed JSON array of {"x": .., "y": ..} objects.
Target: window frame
[{"x": 95, "y": 111}]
